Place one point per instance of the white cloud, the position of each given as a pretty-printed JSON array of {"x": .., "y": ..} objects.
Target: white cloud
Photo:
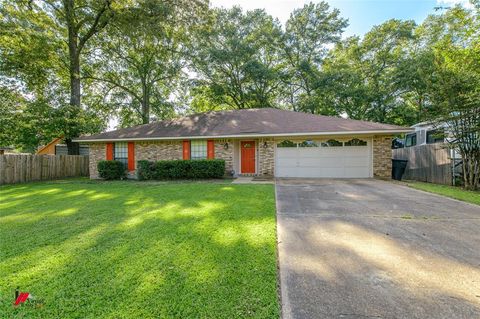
[{"x": 464, "y": 3}]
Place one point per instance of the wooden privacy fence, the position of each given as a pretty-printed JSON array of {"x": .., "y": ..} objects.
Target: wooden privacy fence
[
  {"x": 25, "y": 168},
  {"x": 427, "y": 163}
]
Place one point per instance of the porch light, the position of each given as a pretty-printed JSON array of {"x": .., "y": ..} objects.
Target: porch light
[
  {"x": 265, "y": 144},
  {"x": 225, "y": 146}
]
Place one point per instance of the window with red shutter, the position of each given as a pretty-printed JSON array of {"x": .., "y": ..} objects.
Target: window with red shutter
[
  {"x": 131, "y": 156},
  {"x": 210, "y": 149},
  {"x": 109, "y": 154},
  {"x": 186, "y": 150}
]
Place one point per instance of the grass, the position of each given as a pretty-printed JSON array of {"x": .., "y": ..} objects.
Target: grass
[
  {"x": 138, "y": 250},
  {"x": 449, "y": 191}
]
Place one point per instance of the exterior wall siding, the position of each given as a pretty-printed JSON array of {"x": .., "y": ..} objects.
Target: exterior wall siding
[
  {"x": 225, "y": 154},
  {"x": 96, "y": 152},
  {"x": 158, "y": 151},
  {"x": 266, "y": 157},
  {"x": 382, "y": 156}
]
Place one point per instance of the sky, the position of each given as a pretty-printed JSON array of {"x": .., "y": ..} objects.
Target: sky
[{"x": 362, "y": 14}]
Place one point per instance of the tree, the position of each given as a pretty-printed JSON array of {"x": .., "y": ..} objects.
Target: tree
[
  {"x": 347, "y": 91},
  {"x": 308, "y": 34},
  {"x": 454, "y": 86},
  {"x": 369, "y": 78},
  {"x": 237, "y": 60},
  {"x": 143, "y": 55},
  {"x": 32, "y": 77},
  {"x": 74, "y": 21}
]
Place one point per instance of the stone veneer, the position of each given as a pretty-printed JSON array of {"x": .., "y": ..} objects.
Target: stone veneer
[
  {"x": 158, "y": 150},
  {"x": 97, "y": 152},
  {"x": 225, "y": 154},
  {"x": 266, "y": 157},
  {"x": 382, "y": 156}
]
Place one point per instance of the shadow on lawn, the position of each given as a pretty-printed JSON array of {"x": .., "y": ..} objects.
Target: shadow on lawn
[
  {"x": 183, "y": 250},
  {"x": 361, "y": 259},
  {"x": 355, "y": 271}
]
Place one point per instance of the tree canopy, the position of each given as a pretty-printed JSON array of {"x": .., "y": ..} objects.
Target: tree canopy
[{"x": 76, "y": 66}]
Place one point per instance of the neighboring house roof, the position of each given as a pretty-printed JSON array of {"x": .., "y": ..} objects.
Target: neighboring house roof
[
  {"x": 244, "y": 123},
  {"x": 50, "y": 147}
]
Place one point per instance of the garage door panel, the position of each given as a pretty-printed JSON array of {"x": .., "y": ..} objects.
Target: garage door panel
[
  {"x": 357, "y": 172},
  {"x": 312, "y": 152},
  {"x": 307, "y": 172},
  {"x": 356, "y": 161},
  {"x": 329, "y": 162},
  {"x": 320, "y": 162},
  {"x": 288, "y": 151},
  {"x": 333, "y": 172}
]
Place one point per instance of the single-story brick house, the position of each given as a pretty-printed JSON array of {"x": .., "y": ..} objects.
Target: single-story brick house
[{"x": 263, "y": 141}]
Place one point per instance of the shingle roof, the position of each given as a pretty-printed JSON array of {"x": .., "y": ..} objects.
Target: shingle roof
[{"x": 247, "y": 122}]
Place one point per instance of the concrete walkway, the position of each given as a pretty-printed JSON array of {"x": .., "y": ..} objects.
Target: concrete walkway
[
  {"x": 375, "y": 249},
  {"x": 251, "y": 180}
]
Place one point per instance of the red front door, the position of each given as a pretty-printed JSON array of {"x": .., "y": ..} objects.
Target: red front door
[{"x": 248, "y": 157}]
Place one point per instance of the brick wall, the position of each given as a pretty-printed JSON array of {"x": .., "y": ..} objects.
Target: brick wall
[
  {"x": 158, "y": 150},
  {"x": 97, "y": 152},
  {"x": 225, "y": 154},
  {"x": 151, "y": 151},
  {"x": 266, "y": 157},
  {"x": 169, "y": 150},
  {"x": 382, "y": 156}
]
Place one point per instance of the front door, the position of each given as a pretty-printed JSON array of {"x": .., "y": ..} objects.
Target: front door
[{"x": 248, "y": 157}]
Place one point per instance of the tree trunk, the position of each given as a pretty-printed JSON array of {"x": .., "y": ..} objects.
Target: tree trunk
[
  {"x": 74, "y": 90},
  {"x": 75, "y": 78},
  {"x": 74, "y": 68},
  {"x": 145, "y": 112},
  {"x": 470, "y": 171},
  {"x": 145, "y": 105},
  {"x": 73, "y": 148}
]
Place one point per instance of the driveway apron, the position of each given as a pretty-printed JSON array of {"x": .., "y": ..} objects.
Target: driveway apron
[{"x": 364, "y": 248}]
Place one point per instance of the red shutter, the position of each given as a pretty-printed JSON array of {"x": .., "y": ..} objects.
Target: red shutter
[
  {"x": 109, "y": 155},
  {"x": 210, "y": 149},
  {"x": 131, "y": 156},
  {"x": 186, "y": 150}
]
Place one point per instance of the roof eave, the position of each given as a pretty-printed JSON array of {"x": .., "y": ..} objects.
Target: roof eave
[{"x": 393, "y": 131}]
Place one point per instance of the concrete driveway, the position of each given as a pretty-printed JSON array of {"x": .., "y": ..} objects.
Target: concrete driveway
[{"x": 375, "y": 249}]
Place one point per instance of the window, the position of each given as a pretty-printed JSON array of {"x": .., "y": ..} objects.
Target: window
[
  {"x": 121, "y": 152},
  {"x": 198, "y": 149},
  {"x": 435, "y": 136},
  {"x": 308, "y": 144},
  {"x": 332, "y": 143},
  {"x": 411, "y": 140},
  {"x": 355, "y": 142},
  {"x": 287, "y": 143}
]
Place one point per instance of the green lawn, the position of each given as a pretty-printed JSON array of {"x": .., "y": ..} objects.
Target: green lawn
[
  {"x": 449, "y": 191},
  {"x": 139, "y": 250}
]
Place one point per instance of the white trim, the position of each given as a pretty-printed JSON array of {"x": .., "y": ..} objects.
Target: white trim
[
  {"x": 244, "y": 136},
  {"x": 371, "y": 157}
]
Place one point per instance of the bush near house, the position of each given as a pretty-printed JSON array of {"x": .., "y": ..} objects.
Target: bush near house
[
  {"x": 111, "y": 169},
  {"x": 181, "y": 169}
]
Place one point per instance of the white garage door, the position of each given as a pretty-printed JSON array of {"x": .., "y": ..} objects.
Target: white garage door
[{"x": 330, "y": 159}]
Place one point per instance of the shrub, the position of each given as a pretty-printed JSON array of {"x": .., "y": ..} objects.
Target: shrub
[
  {"x": 111, "y": 169},
  {"x": 181, "y": 169}
]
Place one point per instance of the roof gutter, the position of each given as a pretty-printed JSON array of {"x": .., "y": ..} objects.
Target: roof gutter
[{"x": 395, "y": 131}]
